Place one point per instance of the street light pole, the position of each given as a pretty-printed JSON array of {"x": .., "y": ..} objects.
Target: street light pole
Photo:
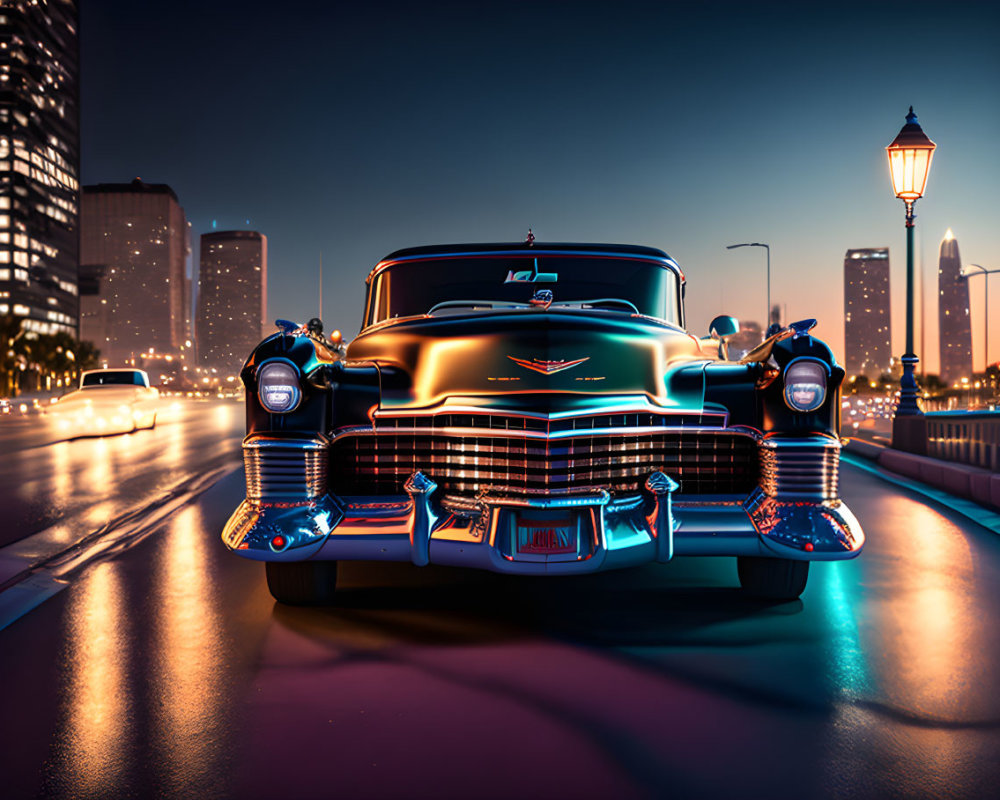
[
  {"x": 910, "y": 156},
  {"x": 767, "y": 315},
  {"x": 986, "y": 306},
  {"x": 909, "y": 163}
]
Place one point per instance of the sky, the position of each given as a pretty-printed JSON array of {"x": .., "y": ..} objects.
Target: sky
[{"x": 344, "y": 131}]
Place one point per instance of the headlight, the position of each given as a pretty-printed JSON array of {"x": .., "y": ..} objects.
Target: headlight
[
  {"x": 278, "y": 387},
  {"x": 805, "y": 384}
]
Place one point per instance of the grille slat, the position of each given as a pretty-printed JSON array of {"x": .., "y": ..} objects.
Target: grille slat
[
  {"x": 285, "y": 471},
  {"x": 801, "y": 469},
  {"x": 466, "y": 454}
]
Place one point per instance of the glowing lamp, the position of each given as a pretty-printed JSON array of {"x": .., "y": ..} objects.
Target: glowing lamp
[
  {"x": 909, "y": 162},
  {"x": 910, "y": 157}
]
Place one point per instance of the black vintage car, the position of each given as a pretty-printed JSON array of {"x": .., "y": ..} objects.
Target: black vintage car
[{"x": 538, "y": 409}]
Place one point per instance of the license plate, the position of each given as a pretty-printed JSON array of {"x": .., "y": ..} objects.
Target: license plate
[{"x": 547, "y": 537}]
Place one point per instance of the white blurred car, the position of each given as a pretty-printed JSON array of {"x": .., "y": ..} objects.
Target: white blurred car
[{"x": 108, "y": 401}]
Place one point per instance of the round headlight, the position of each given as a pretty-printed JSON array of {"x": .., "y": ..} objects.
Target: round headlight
[
  {"x": 805, "y": 385},
  {"x": 278, "y": 387}
]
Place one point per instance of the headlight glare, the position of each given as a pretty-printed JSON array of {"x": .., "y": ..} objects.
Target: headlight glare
[
  {"x": 805, "y": 385},
  {"x": 278, "y": 387}
]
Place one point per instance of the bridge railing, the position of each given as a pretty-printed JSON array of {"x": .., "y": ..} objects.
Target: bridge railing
[{"x": 968, "y": 437}]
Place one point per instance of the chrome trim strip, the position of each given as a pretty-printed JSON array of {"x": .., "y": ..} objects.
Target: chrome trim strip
[
  {"x": 508, "y": 433},
  {"x": 610, "y": 410}
]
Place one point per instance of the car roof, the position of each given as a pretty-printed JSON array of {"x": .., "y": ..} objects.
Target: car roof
[{"x": 508, "y": 247}]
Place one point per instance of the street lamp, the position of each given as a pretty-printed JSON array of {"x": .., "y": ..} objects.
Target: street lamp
[
  {"x": 909, "y": 162},
  {"x": 965, "y": 273},
  {"x": 767, "y": 316}
]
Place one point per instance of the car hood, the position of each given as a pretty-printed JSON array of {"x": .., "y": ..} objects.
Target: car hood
[{"x": 478, "y": 358}]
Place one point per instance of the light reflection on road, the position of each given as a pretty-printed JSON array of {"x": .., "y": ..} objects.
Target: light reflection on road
[
  {"x": 98, "y": 699},
  {"x": 44, "y": 481},
  {"x": 849, "y": 666},
  {"x": 190, "y": 652},
  {"x": 934, "y": 624}
]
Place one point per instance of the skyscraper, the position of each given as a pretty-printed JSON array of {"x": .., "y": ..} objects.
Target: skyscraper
[
  {"x": 954, "y": 325},
  {"x": 867, "y": 314},
  {"x": 232, "y": 297},
  {"x": 39, "y": 164},
  {"x": 134, "y": 242}
]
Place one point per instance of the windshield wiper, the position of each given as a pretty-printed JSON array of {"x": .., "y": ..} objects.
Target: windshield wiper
[
  {"x": 599, "y": 301},
  {"x": 476, "y": 304}
]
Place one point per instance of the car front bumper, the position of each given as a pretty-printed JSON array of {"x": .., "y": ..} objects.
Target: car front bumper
[{"x": 651, "y": 526}]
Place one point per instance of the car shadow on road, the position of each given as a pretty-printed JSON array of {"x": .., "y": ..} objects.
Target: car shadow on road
[{"x": 646, "y": 606}]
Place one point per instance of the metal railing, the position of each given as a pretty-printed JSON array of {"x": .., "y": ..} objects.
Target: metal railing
[{"x": 968, "y": 437}]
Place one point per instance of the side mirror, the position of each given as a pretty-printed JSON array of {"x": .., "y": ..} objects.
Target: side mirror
[
  {"x": 723, "y": 327},
  {"x": 719, "y": 331}
]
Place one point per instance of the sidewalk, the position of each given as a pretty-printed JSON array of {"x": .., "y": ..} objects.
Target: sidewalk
[{"x": 948, "y": 482}]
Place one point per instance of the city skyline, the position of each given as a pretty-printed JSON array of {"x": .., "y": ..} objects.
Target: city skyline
[{"x": 396, "y": 125}]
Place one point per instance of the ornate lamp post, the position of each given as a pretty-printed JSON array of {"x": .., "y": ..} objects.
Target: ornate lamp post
[{"x": 909, "y": 162}]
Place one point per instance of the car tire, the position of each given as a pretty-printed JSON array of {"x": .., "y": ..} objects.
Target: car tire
[
  {"x": 772, "y": 578},
  {"x": 302, "y": 583}
]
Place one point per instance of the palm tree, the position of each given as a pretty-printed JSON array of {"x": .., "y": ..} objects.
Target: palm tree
[{"x": 31, "y": 361}]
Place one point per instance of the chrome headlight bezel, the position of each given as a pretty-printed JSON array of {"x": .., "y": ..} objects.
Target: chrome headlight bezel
[
  {"x": 805, "y": 382},
  {"x": 275, "y": 377}
]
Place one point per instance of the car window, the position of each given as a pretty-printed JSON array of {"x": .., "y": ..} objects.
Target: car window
[
  {"x": 412, "y": 288},
  {"x": 113, "y": 378}
]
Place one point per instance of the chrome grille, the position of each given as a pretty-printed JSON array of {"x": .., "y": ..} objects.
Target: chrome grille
[
  {"x": 804, "y": 468},
  {"x": 285, "y": 470},
  {"x": 466, "y": 454}
]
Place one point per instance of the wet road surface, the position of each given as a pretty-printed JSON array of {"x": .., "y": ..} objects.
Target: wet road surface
[
  {"x": 47, "y": 478},
  {"x": 166, "y": 670}
]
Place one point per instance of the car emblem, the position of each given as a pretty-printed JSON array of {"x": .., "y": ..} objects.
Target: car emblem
[{"x": 547, "y": 367}]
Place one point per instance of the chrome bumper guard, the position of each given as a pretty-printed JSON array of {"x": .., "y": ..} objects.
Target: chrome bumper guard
[{"x": 795, "y": 514}]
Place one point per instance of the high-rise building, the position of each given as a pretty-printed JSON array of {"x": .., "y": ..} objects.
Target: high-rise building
[
  {"x": 232, "y": 297},
  {"x": 954, "y": 325},
  {"x": 39, "y": 164},
  {"x": 867, "y": 314},
  {"x": 133, "y": 248}
]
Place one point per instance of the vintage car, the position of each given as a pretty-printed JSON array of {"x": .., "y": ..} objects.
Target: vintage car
[
  {"x": 538, "y": 409},
  {"x": 108, "y": 401}
]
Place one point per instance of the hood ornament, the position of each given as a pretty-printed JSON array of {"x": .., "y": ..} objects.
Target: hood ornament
[
  {"x": 542, "y": 298},
  {"x": 547, "y": 367}
]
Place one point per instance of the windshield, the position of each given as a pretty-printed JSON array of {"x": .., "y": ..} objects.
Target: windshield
[
  {"x": 124, "y": 377},
  {"x": 412, "y": 288}
]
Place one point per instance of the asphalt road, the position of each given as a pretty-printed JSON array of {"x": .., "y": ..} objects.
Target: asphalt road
[{"x": 161, "y": 667}]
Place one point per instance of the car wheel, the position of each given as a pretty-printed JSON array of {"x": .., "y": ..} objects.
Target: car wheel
[
  {"x": 773, "y": 578},
  {"x": 302, "y": 583}
]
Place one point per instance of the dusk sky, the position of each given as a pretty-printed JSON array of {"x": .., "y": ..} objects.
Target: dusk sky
[{"x": 356, "y": 130}]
